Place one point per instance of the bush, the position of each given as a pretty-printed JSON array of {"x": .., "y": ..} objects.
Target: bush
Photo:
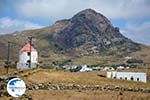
[
  {"x": 76, "y": 69},
  {"x": 134, "y": 61},
  {"x": 62, "y": 63}
]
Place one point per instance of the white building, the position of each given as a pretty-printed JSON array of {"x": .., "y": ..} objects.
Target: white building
[
  {"x": 24, "y": 57},
  {"x": 85, "y": 69},
  {"x": 120, "y": 68},
  {"x": 108, "y": 69},
  {"x": 135, "y": 76}
]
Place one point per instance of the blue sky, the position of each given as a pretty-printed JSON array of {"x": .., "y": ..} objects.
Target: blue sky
[{"x": 131, "y": 16}]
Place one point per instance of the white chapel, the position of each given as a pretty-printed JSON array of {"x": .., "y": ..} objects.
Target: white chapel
[{"x": 26, "y": 54}]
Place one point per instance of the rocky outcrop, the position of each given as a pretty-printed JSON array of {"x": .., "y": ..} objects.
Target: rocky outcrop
[{"x": 88, "y": 29}]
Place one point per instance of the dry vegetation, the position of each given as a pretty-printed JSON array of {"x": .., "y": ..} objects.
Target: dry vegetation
[
  {"x": 53, "y": 76},
  {"x": 83, "y": 78},
  {"x": 80, "y": 78},
  {"x": 87, "y": 95},
  {"x": 91, "y": 60},
  {"x": 3, "y": 70},
  {"x": 84, "y": 95},
  {"x": 144, "y": 54}
]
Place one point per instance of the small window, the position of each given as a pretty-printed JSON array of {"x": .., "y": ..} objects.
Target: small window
[
  {"x": 132, "y": 78},
  {"x": 28, "y": 53},
  {"x": 125, "y": 78},
  {"x": 28, "y": 61},
  {"x": 138, "y": 79}
]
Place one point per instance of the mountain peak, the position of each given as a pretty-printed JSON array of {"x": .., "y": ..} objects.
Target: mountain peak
[
  {"x": 91, "y": 19},
  {"x": 89, "y": 29},
  {"x": 90, "y": 16},
  {"x": 87, "y": 32},
  {"x": 89, "y": 10}
]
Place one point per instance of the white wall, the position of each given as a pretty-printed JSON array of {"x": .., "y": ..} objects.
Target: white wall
[
  {"x": 24, "y": 66},
  {"x": 128, "y": 75},
  {"x": 23, "y": 57}
]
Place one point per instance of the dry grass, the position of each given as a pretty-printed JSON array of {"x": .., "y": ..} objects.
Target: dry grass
[
  {"x": 80, "y": 78},
  {"x": 86, "y": 95},
  {"x": 3, "y": 70},
  {"x": 90, "y": 60},
  {"x": 45, "y": 75},
  {"x": 144, "y": 54}
]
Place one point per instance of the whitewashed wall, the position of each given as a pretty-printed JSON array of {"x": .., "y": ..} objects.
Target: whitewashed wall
[
  {"x": 128, "y": 75},
  {"x": 24, "y": 57},
  {"x": 24, "y": 66}
]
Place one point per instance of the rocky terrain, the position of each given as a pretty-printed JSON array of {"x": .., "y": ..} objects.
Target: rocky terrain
[
  {"x": 86, "y": 33},
  {"x": 91, "y": 32}
]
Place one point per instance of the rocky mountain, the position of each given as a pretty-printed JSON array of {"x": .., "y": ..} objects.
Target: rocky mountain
[
  {"x": 86, "y": 33},
  {"x": 91, "y": 32}
]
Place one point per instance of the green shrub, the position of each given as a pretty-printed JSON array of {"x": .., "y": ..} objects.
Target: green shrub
[{"x": 134, "y": 61}]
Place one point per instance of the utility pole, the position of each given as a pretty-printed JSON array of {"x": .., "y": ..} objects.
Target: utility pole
[
  {"x": 30, "y": 41},
  {"x": 8, "y": 58},
  {"x": 8, "y": 61}
]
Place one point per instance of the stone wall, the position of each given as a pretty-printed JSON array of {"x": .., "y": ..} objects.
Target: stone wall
[
  {"x": 62, "y": 86},
  {"x": 50, "y": 86}
]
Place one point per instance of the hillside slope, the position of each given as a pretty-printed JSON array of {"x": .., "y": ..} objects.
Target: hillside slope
[{"x": 86, "y": 33}]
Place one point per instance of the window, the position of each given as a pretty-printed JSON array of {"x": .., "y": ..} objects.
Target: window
[
  {"x": 138, "y": 79},
  {"x": 28, "y": 61},
  {"x": 28, "y": 53},
  {"x": 132, "y": 78},
  {"x": 120, "y": 77}
]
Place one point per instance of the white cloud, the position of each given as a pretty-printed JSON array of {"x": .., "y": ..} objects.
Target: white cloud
[
  {"x": 54, "y": 9},
  {"x": 123, "y": 8},
  {"x": 138, "y": 32},
  {"x": 8, "y": 25}
]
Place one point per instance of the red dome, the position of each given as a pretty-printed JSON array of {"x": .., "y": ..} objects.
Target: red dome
[{"x": 26, "y": 48}]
